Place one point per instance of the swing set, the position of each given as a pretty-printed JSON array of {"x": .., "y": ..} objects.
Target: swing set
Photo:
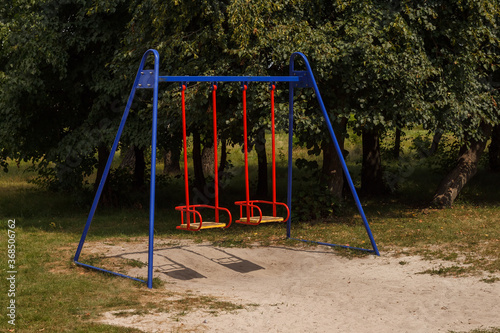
[
  {"x": 251, "y": 212},
  {"x": 191, "y": 218}
]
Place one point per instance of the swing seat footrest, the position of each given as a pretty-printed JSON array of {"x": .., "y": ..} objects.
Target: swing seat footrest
[
  {"x": 255, "y": 219},
  {"x": 204, "y": 225}
]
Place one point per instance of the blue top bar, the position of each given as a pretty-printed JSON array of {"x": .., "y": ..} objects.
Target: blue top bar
[{"x": 228, "y": 79}]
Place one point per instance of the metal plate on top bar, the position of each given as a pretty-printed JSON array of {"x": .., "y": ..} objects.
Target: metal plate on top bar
[
  {"x": 146, "y": 80},
  {"x": 305, "y": 80}
]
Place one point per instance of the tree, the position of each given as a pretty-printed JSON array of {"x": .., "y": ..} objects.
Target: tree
[
  {"x": 465, "y": 169},
  {"x": 494, "y": 150},
  {"x": 369, "y": 62},
  {"x": 187, "y": 47},
  {"x": 58, "y": 111},
  {"x": 461, "y": 40}
]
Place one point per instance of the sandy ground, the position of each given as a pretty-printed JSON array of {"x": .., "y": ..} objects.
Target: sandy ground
[{"x": 310, "y": 290}]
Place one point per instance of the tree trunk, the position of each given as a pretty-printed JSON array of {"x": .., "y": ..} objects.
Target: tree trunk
[
  {"x": 128, "y": 160},
  {"x": 102, "y": 158},
  {"x": 171, "y": 162},
  {"x": 332, "y": 172},
  {"x": 260, "y": 148},
  {"x": 466, "y": 168},
  {"x": 435, "y": 142},
  {"x": 207, "y": 159},
  {"x": 494, "y": 150},
  {"x": 199, "y": 178},
  {"x": 223, "y": 157},
  {"x": 397, "y": 144},
  {"x": 372, "y": 182},
  {"x": 139, "y": 168},
  {"x": 135, "y": 162}
]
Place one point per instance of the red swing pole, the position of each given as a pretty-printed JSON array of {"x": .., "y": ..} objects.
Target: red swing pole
[
  {"x": 245, "y": 147},
  {"x": 273, "y": 87},
  {"x": 184, "y": 138},
  {"x": 216, "y": 171}
]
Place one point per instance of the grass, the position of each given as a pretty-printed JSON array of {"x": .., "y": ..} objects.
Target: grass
[
  {"x": 54, "y": 295},
  {"x": 178, "y": 305},
  {"x": 481, "y": 330}
]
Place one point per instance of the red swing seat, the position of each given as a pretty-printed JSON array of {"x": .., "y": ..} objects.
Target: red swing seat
[
  {"x": 198, "y": 223},
  {"x": 248, "y": 215},
  {"x": 258, "y": 219}
]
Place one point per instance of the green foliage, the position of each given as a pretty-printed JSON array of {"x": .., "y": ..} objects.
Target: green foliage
[
  {"x": 444, "y": 158},
  {"x": 3, "y": 164},
  {"x": 124, "y": 191},
  {"x": 313, "y": 200},
  {"x": 461, "y": 41},
  {"x": 55, "y": 88},
  {"x": 313, "y": 204}
]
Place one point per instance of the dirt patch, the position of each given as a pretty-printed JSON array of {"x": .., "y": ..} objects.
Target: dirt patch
[{"x": 284, "y": 289}]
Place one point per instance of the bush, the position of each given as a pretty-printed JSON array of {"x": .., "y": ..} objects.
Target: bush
[{"x": 314, "y": 200}]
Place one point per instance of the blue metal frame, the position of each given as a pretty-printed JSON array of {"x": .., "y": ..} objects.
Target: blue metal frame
[
  {"x": 149, "y": 79},
  {"x": 229, "y": 79}
]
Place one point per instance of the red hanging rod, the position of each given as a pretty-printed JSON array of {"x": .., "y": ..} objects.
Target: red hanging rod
[
  {"x": 184, "y": 139},
  {"x": 188, "y": 209},
  {"x": 250, "y": 205}
]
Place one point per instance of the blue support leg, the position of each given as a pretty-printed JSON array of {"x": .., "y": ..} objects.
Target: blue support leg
[
  {"x": 153, "y": 173},
  {"x": 137, "y": 84},
  {"x": 307, "y": 80},
  {"x": 105, "y": 173},
  {"x": 290, "y": 158}
]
